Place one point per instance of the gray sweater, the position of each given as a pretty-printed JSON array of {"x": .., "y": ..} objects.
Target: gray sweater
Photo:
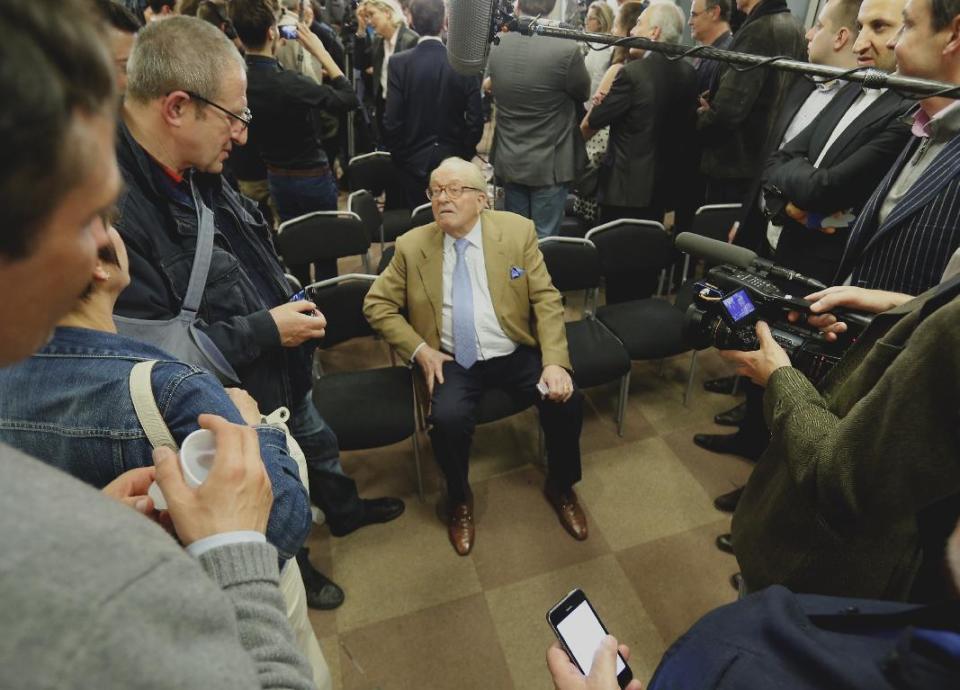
[{"x": 93, "y": 595}]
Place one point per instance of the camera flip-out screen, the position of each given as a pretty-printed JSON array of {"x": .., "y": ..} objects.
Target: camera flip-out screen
[{"x": 738, "y": 305}]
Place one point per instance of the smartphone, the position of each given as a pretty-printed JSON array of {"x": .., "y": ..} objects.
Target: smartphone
[
  {"x": 580, "y": 630},
  {"x": 288, "y": 31}
]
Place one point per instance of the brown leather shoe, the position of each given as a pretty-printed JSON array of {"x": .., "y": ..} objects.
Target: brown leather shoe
[
  {"x": 460, "y": 528},
  {"x": 568, "y": 510}
]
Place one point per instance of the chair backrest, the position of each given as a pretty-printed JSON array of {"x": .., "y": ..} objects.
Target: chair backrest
[
  {"x": 632, "y": 254},
  {"x": 321, "y": 235},
  {"x": 363, "y": 203},
  {"x": 340, "y": 300},
  {"x": 573, "y": 263},
  {"x": 422, "y": 215},
  {"x": 714, "y": 220},
  {"x": 371, "y": 171},
  {"x": 386, "y": 258}
]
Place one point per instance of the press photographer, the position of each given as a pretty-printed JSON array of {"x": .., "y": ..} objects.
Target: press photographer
[{"x": 860, "y": 484}]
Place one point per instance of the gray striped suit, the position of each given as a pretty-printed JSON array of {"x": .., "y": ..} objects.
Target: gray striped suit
[{"x": 910, "y": 249}]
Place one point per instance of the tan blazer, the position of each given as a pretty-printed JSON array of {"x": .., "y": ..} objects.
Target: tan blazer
[{"x": 528, "y": 307}]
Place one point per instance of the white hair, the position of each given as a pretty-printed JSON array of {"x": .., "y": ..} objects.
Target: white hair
[{"x": 669, "y": 18}]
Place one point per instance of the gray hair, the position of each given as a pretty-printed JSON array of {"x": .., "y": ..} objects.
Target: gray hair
[
  {"x": 473, "y": 175},
  {"x": 180, "y": 53},
  {"x": 668, "y": 17}
]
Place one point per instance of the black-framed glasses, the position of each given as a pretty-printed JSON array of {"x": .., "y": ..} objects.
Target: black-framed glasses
[
  {"x": 245, "y": 118},
  {"x": 454, "y": 191}
]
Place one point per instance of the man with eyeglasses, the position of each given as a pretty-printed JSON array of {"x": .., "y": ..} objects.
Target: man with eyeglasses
[
  {"x": 710, "y": 26},
  {"x": 184, "y": 110},
  {"x": 468, "y": 298}
]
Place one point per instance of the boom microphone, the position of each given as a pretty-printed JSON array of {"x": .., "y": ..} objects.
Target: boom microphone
[
  {"x": 469, "y": 29},
  {"x": 716, "y": 252}
]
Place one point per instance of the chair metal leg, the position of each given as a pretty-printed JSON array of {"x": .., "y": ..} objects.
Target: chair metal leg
[
  {"x": 660, "y": 281},
  {"x": 689, "y": 388},
  {"x": 366, "y": 262},
  {"x": 622, "y": 402},
  {"x": 686, "y": 269},
  {"x": 416, "y": 461}
]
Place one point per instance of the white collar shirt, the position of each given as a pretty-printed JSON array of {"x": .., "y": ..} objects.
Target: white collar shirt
[
  {"x": 491, "y": 340},
  {"x": 389, "y": 47}
]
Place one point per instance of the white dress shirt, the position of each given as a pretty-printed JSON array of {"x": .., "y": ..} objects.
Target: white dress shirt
[
  {"x": 389, "y": 46},
  {"x": 491, "y": 340}
]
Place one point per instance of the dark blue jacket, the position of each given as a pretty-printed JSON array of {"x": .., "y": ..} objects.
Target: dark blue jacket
[
  {"x": 432, "y": 112},
  {"x": 777, "y": 639},
  {"x": 159, "y": 226}
]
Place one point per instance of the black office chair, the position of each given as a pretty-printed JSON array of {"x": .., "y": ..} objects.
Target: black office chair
[
  {"x": 713, "y": 221},
  {"x": 422, "y": 215},
  {"x": 363, "y": 203},
  {"x": 321, "y": 236},
  {"x": 633, "y": 254},
  {"x": 598, "y": 357},
  {"x": 367, "y": 408},
  {"x": 376, "y": 173}
]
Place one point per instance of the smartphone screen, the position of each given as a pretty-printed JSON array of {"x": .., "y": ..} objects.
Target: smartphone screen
[
  {"x": 579, "y": 628},
  {"x": 288, "y": 31}
]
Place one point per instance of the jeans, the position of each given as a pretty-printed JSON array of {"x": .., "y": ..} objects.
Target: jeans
[
  {"x": 297, "y": 195},
  {"x": 543, "y": 205},
  {"x": 330, "y": 488}
]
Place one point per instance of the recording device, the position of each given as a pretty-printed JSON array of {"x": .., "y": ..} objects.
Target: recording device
[
  {"x": 288, "y": 31},
  {"x": 742, "y": 290},
  {"x": 472, "y": 26},
  {"x": 579, "y": 629}
]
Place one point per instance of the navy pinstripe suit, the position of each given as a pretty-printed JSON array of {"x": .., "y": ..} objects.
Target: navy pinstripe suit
[{"x": 910, "y": 249}]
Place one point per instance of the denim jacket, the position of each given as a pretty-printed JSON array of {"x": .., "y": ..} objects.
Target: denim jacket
[{"x": 69, "y": 405}]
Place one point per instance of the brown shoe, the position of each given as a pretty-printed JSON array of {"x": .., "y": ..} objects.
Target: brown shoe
[
  {"x": 568, "y": 510},
  {"x": 460, "y": 528}
]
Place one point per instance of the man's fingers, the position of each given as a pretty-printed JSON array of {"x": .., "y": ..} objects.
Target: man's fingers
[
  {"x": 169, "y": 474},
  {"x": 624, "y": 652},
  {"x": 561, "y": 668},
  {"x": 605, "y": 658},
  {"x": 438, "y": 371},
  {"x": 764, "y": 335}
]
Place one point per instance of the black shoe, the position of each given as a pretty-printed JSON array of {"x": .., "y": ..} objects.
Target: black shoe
[
  {"x": 728, "y": 502},
  {"x": 732, "y": 417},
  {"x": 374, "y": 510},
  {"x": 725, "y": 384},
  {"x": 734, "y": 444},
  {"x": 725, "y": 543},
  {"x": 322, "y": 592}
]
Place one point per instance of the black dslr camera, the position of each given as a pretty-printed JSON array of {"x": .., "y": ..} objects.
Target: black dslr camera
[{"x": 728, "y": 303}]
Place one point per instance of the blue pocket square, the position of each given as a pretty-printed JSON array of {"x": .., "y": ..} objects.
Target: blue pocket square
[{"x": 515, "y": 272}]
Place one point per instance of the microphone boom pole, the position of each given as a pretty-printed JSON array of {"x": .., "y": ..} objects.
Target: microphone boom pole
[{"x": 870, "y": 78}]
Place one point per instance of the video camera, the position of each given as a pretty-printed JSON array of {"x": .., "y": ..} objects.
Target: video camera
[{"x": 742, "y": 290}]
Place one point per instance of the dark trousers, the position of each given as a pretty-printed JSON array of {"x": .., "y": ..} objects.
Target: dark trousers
[{"x": 454, "y": 417}]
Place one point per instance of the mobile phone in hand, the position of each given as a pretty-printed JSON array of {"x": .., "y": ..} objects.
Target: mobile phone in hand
[
  {"x": 580, "y": 630},
  {"x": 288, "y": 31}
]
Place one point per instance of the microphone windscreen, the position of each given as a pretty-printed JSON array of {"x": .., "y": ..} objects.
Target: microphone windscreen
[
  {"x": 714, "y": 251},
  {"x": 468, "y": 34}
]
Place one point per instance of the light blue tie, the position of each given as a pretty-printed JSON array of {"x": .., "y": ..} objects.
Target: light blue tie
[{"x": 464, "y": 329}]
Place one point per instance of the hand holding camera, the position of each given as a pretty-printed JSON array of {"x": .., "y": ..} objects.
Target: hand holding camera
[{"x": 298, "y": 322}]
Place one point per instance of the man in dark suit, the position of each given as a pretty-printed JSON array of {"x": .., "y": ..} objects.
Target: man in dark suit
[
  {"x": 432, "y": 112},
  {"x": 651, "y": 111},
  {"x": 818, "y": 181},
  {"x": 909, "y": 228}
]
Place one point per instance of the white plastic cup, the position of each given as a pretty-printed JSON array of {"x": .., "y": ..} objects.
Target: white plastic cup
[{"x": 196, "y": 460}]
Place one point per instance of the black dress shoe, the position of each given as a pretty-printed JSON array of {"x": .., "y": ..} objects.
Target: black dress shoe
[
  {"x": 374, "y": 510},
  {"x": 732, "y": 417},
  {"x": 724, "y": 384},
  {"x": 735, "y": 444},
  {"x": 728, "y": 502},
  {"x": 725, "y": 543},
  {"x": 322, "y": 592}
]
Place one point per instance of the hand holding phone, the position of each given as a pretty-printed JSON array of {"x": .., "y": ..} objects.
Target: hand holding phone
[
  {"x": 288, "y": 31},
  {"x": 580, "y": 631}
]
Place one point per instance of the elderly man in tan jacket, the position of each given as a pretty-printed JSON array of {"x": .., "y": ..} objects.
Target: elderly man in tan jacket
[{"x": 469, "y": 299}]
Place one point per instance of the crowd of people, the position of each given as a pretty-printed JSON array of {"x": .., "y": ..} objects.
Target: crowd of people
[{"x": 156, "y": 145}]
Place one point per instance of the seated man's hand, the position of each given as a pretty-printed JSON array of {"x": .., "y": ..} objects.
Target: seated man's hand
[
  {"x": 237, "y": 495},
  {"x": 603, "y": 673},
  {"x": 558, "y": 382},
  {"x": 245, "y": 403},
  {"x": 431, "y": 364},
  {"x": 795, "y": 213},
  {"x": 759, "y": 364},
  {"x": 849, "y": 297},
  {"x": 298, "y": 322},
  {"x": 130, "y": 488}
]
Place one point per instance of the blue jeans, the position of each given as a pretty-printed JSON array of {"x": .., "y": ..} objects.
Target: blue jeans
[
  {"x": 297, "y": 195},
  {"x": 330, "y": 487},
  {"x": 543, "y": 205}
]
